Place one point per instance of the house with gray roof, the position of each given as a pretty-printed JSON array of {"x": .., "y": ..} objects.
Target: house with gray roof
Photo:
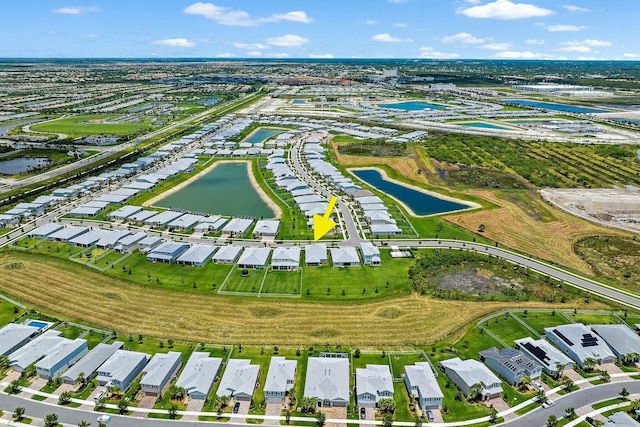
[
  {"x": 185, "y": 222},
  {"x": 157, "y": 375},
  {"x": 13, "y": 336},
  {"x": 141, "y": 216},
  {"x": 89, "y": 239},
  {"x": 621, "y": 419},
  {"x": 254, "y": 258},
  {"x": 624, "y": 343},
  {"x": 149, "y": 243},
  {"x": 239, "y": 379},
  {"x": 67, "y": 233},
  {"x": 328, "y": 380},
  {"x": 580, "y": 343},
  {"x": 199, "y": 374},
  {"x": 121, "y": 368},
  {"x": 512, "y": 365},
  {"x": 197, "y": 255},
  {"x": 124, "y": 212},
  {"x": 163, "y": 218},
  {"x": 370, "y": 254},
  {"x": 315, "y": 255},
  {"x": 280, "y": 379},
  {"x": 372, "y": 384},
  {"x": 167, "y": 252},
  {"x": 550, "y": 358},
  {"x": 60, "y": 357},
  {"x": 130, "y": 243},
  {"x": 89, "y": 364},
  {"x": 111, "y": 238},
  {"x": 287, "y": 259},
  {"x": 345, "y": 257},
  {"x": 227, "y": 254},
  {"x": 266, "y": 228},
  {"x": 34, "y": 350},
  {"x": 385, "y": 229},
  {"x": 422, "y": 383},
  {"x": 237, "y": 227},
  {"x": 467, "y": 373}
]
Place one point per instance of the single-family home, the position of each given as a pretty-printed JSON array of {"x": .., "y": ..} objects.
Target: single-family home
[
  {"x": 197, "y": 255},
  {"x": 422, "y": 383},
  {"x": 372, "y": 384},
  {"x": 345, "y": 257},
  {"x": 370, "y": 254},
  {"x": 89, "y": 238},
  {"x": 237, "y": 227},
  {"x": 315, "y": 255},
  {"x": 199, "y": 374},
  {"x": 385, "y": 229},
  {"x": 254, "y": 258},
  {"x": 328, "y": 380},
  {"x": 465, "y": 374},
  {"x": 185, "y": 222},
  {"x": 239, "y": 379},
  {"x": 13, "y": 336},
  {"x": 149, "y": 243},
  {"x": 579, "y": 343},
  {"x": 266, "y": 228},
  {"x": 67, "y": 233},
  {"x": 110, "y": 239},
  {"x": 163, "y": 218},
  {"x": 167, "y": 252},
  {"x": 280, "y": 379},
  {"x": 157, "y": 375},
  {"x": 121, "y": 368},
  {"x": 34, "y": 350},
  {"x": 287, "y": 259},
  {"x": 621, "y": 419},
  {"x": 45, "y": 230},
  {"x": 89, "y": 364},
  {"x": 550, "y": 358},
  {"x": 624, "y": 343},
  {"x": 141, "y": 217},
  {"x": 124, "y": 212},
  {"x": 60, "y": 357},
  {"x": 512, "y": 365},
  {"x": 130, "y": 243},
  {"x": 227, "y": 254}
]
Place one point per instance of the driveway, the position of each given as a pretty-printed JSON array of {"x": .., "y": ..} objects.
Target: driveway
[
  {"x": 63, "y": 387},
  {"x": 145, "y": 402},
  {"x": 37, "y": 384},
  {"x": 273, "y": 409},
  {"x": 242, "y": 410},
  {"x": 574, "y": 376},
  {"x": 194, "y": 405},
  {"x": 500, "y": 405},
  {"x": 336, "y": 413}
]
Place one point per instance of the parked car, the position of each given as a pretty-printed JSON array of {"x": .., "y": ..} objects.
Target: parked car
[
  {"x": 98, "y": 396},
  {"x": 430, "y": 415},
  {"x": 104, "y": 419},
  {"x": 236, "y": 407},
  {"x": 537, "y": 385},
  {"x": 363, "y": 413}
]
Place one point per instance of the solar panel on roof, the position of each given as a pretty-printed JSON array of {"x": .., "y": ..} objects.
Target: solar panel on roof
[
  {"x": 562, "y": 337},
  {"x": 589, "y": 340},
  {"x": 537, "y": 352}
]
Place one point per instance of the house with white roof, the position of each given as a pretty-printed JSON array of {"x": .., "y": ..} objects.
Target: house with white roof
[
  {"x": 372, "y": 384},
  {"x": 227, "y": 254},
  {"x": 422, "y": 383},
  {"x": 163, "y": 218},
  {"x": 185, "y": 222},
  {"x": 328, "y": 380},
  {"x": 14, "y": 335},
  {"x": 381, "y": 229},
  {"x": 130, "y": 243},
  {"x": 157, "y": 375},
  {"x": 467, "y": 373},
  {"x": 550, "y": 358},
  {"x": 239, "y": 379},
  {"x": 345, "y": 257},
  {"x": 60, "y": 357},
  {"x": 370, "y": 254},
  {"x": 121, "y": 368},
  {"x": 580, "y": 343},
  {"x": 315, "y": 254},
  {"x": 254, "y": 258},
  {"x": 266, "y": 228},
  {"x": 511, "y": 364},
  {"x": 167, "y": 252},
  {"x": 67, "y": 233},
  {"x": 199, "y": 374},
  {"x": 34, "y": 350},
  {"x": 111, "y": 238},
  {"x": 124, "y": 212},
  {"x": 197, "y": 255},
  {"x": 287, "y": 259},
  {"x": 621, "y": 419},
  {"x": 237, "y": 227},
  {"x": 89, "y": 364},
  {"x": 280, "y": 379},
  {"x": 88, "y": 239},
  {"x": 624, "y": 343},
  {"x": 45, "y": 230}
]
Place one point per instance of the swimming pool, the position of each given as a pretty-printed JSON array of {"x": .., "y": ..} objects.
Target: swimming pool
[{"x": 37, "y": 324}]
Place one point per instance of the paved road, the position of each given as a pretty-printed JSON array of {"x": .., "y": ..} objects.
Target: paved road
[{"x": 576, "y": 399}]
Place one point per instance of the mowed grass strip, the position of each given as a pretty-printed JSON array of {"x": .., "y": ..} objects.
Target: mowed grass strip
[
  {"x": 72, "y": 292},
  {"x": 507, "y": 329},
  {"x": 282, "y": 282},
  {"x": 539, "y": 320}
]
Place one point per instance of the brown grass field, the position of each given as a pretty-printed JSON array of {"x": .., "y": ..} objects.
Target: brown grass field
[{"x": 73, "y": 292}]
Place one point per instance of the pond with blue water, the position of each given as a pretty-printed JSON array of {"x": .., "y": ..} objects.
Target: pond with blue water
[
  {"x": 420, "y": 203},
  {"x": 484, "y": 125},
  {"x": 554, "y": 107},
  {"x": 413, "y": 106},
  {"x": 21, "y": 164},
  {"x": 262, "y": 134}
]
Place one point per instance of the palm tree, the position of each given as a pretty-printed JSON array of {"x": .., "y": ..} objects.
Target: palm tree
[
  {"x": 568, "y": 385},
  {"x": 624, "y": 393},
  {"x": 123, "y": 407},
  {"x": 605, "y": 376},
  {"x": 589, "y": 364},
  {"x": 475, "y": 392},
  {"x": 552, "y": 421},
  {"x": 525, "y": 382},
  {"x": 559, "y": 370},
  {"x": 387, "y": 420},
  {"x": 321, "y": 419},
  {"x": 541, "y": 396},
  {"x": 51, "y": 420},
  {"x": 173, "y": 411},
  {"x": 570, "y": 413},
  {"x": 83, "y": 424},
  {"x": 18, "y": 414}
]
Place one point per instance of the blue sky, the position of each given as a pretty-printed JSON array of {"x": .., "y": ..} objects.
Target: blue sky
[{"x": 508, "y": 29}]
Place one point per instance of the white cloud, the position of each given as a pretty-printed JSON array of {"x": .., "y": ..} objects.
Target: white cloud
[
  {"x": 505, "y": 9},
  {"x": 90, "y": 36},
  {"x": 254, "y": 53},
  {"x": 509, "y": 54},
  {"x": 587, "y": 58},
  {"x": 225, "y": 55},
  {"x": 228, "y": 16},
  {"x": 464, "y": 38},
  {"x": 179, "y": 42},
  {"x": 79, "y": 10},
  {"x": 388, "y": 38},
  {"x": 632, "y": 55},
  {"x": 370, "y": 22},
  {"x": 251, "y": 46},
  {"x": 473, "y": 1},
  {"x": 321, "y": 55},
  {"x": 277, "y": 55},
  {"x": 581, "y": 49},
  {"x": 400, "y": 25},
  {"x": 288, "y": 40},
  {"x": 583, "y": 46},
  {"x": 428, "y": 52},
  {"x": 572, "y": 8},
  {"x": 497, "y": 46},
  {"x": 558, "y": 28},
  {"x": 536, "y": 42}
]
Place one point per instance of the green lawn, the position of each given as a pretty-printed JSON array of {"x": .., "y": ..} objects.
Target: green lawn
[
  {"x": 70, "y": 331},
  {"x": 105, "y": 260},
  {"x": 77, "y": 126},
  {"x": 54, "y": 249},
  {"x": 539, "y": 320},
  {"x": 458, "y": 410},
  {"x": 401, "y": 397},
  {"x": 400, "y": 360},
  {"x": 282, "y": 282},
  {"x": 250, "y": 284},
  {"x": 609, "y": 402},
  {"x": 9, "y": 312},
  {"x": 151, "y": 346},
  {"x": 593, "y": 318},
  {"x": 507, "y": 329}
]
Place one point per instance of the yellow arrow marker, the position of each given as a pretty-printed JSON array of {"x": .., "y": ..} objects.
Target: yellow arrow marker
[{"x": 322, "y": 224}]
